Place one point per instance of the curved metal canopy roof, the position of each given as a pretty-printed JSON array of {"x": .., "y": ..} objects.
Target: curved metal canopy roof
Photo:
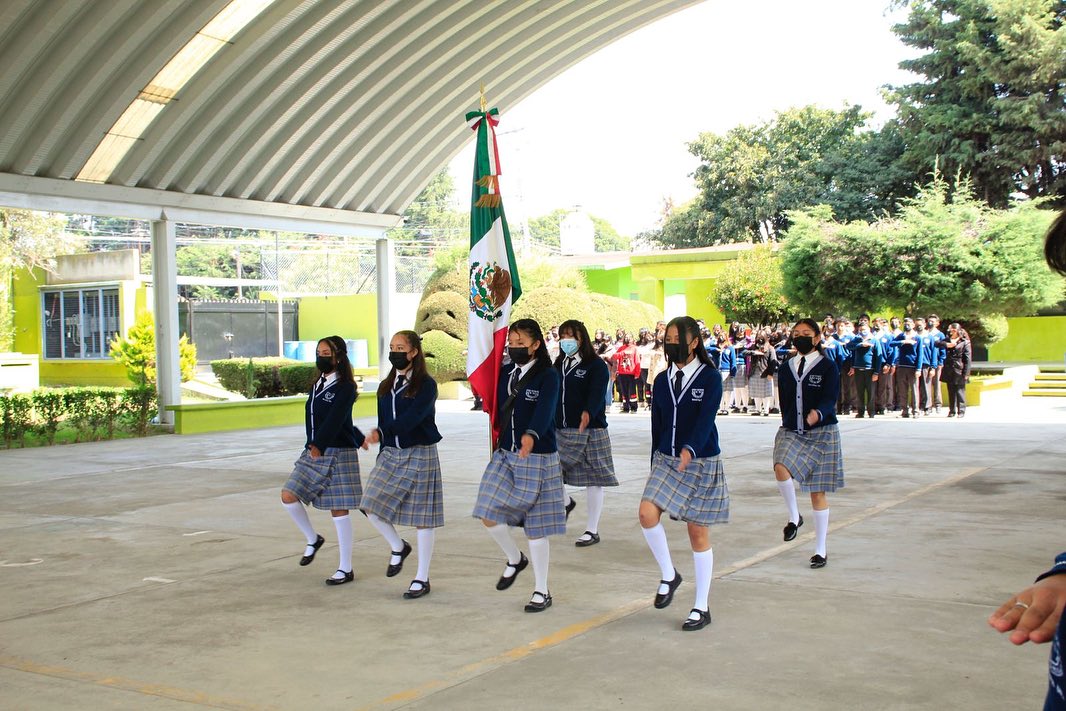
[{"x": 349, "y": 105}]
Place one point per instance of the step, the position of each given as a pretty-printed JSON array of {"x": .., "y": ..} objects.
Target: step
[
  {"x": 1044, "y": 393},
  {"x": 1052, "y": 377},
  {"x": 1049, "y": 384}
]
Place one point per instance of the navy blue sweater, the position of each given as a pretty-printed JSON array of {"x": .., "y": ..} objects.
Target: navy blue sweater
[
  {"x": 328, "y": 417},
  {"x": 725, "y": 359},
  {"x": 908, "y": 355},
  {"x": 409, "y": 421},
  {"x": 691, "y": 422},
  {"x": 821, "y": 385},
  {"x": 533, "y": 412},
  {"x": 584, "y": 388},
  {"x": 867, "y": 357}
]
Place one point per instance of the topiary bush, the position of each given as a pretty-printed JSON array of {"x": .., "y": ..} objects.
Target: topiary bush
[
  {"x": 297, "y": 379},
  {"x": 443, "y": 311},
  {"x": 136, "y": 352},
  {"x": 445, "y": 356},
  {"x": 551, "y": 306},
  {"x": 233, "y": 376}
]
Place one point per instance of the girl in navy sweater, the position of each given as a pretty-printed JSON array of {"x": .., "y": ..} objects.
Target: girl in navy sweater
[
  {"x": 523, "y": 483},
  {"x": 330, "y": 456},
  {"x": 404, "y": 489},
  {"x": 687, "y": 480},
  {"x": 807, "y": 447},
  {"x": 581, "y": 423}
]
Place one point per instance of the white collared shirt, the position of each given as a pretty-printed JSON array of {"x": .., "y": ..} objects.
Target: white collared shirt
[
  {"x": 811, "y": 358},
  {"x": 686, "y": 373},
  {"x": 323, "y": 384}
]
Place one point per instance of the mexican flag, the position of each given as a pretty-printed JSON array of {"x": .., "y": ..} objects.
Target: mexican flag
[{"x": 494, "y": 284}]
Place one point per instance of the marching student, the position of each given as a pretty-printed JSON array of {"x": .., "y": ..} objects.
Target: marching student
[
  {"x": 724, "y": 358},
  {"x": 762, "y": 363},
  {"x": 687, "y": 479},
  {"x": 523, "y": 483},
  {"x": 327, "y": 473},
  {"x": 404, "y": 488},
  {"x": 807, "y": 446},
  {"x": 740, "y": 377},
  {"x": 865, "y": 369},
  {"x": 581, "y": 424},
  {"x": 957, "y": 358},
  {"x": 908, "y": 368},
  {"x": 938, "y": 357},
  {"x": 929, "y": 361}
]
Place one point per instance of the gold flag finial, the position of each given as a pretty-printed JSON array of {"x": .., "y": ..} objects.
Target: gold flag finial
[{"x": 484, "y": 103}]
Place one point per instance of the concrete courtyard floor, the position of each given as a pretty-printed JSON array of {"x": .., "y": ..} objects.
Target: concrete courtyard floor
[{"x": 162, "y": 573}]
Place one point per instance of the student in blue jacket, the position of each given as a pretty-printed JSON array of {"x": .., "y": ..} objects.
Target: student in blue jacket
[
  {"x": 581, "y": 424},
  {"x": 929, "y": 362},
  {"x": 331, "y": 437},
  {"x": 523, "y": 482},
  {"x": 1036, "y": 615},
  {"x": 404, "y": 488},
  {"x": 908, "y": 368},
  {"x": 724, "y": 358},
  {"x": 885, "y": 385},
  {"x": 865, "y": 369},
  {"x": 687, "y": 479},
  {"x": 807, "y": 447},
  {"x": 939, "y": 356}
]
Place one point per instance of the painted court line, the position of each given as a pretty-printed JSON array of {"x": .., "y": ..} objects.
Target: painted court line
[
  {"x": 139, "y": 687},
  {"x": 470, "y": 671}
]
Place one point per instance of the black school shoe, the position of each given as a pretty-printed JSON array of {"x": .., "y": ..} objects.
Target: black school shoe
[
  {"x": 570, "y": 506},
  {"x": 394, "y": 570},
  {"x": 505, "y": 582},
  {"x": 415, "y": 594},
  {"x": 665, "y": 599},
  {"x": 544, "y": 604},
  {"x": 819, "y": 561},
  {"x": 306, "y": 560},
  {"x": 593, "y": 539},
  {"x": 791, "y": 528},
  {"x": 349, "y": 576},
  {"x": 691, "y": 625}
]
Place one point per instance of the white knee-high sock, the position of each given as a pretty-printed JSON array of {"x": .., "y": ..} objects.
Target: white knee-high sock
[
  {"x": 704, "y": 561},
  {"x": 387, "y": 530},
  {"x": 596, "y": 495},
  {"x": 821, "y": 528},
  {"x": 343, "y": 524},
  {"x": 538, "y": 555},
  {"x": 303, "y": 522},
  {"x": 502, "y": 535},
  {"x": 656, "y": 538},
  {"x": 426, "y": 538},
  {"x": 788, "y": 492}
]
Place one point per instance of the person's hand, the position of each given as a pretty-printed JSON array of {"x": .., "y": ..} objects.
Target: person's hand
[
  {"x": 686, "y": 457},
  {"x": 584, "y": 422},
  {"x": 365, "y": 444},
  {"x": 314, "y": 451},
  {"x": 813, "y": 417},
  {"x": 1033, "y": 614},
  {"x": 893, "y": 370},
  {"x": 875, "y": 377},
  {"x": 851, "y": 372},
  {"x": 374, "y": 437},
  {"x": 527, "y": 446}
]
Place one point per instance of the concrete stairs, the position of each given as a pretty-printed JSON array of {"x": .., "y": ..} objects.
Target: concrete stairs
[{"x": 1047, "y": 384}]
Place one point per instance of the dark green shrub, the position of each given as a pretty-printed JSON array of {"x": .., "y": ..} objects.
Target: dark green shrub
[
  {"x": 16, "y": 417},
  {"x": 297, "y": 379},
  {"x": 50, "y": 407},
  {"x": 443, "y": 311},
  {"x": 233, "y": 375},
  {"x": 445, "y": 357},
  {"x": 106, "y": 409},
  {"x": 78, "y": 404},
  {"x": 139, "y": 407}
]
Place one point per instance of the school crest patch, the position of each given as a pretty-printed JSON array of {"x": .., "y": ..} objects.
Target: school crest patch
[
  {"x": 532, "y": 395},
  {"x": 580, "y": 373},
  {"x": 815, "y": 380},
  {"x": 328, "y": 397},
  {"x": 490, "y": 285},
  {"x": 697, "y": 393}
]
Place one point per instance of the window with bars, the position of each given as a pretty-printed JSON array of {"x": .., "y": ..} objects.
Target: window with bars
[{"x": 80, "y": 323}]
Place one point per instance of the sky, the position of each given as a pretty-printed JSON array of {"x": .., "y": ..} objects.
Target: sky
[{"x": 610, "y": 133}]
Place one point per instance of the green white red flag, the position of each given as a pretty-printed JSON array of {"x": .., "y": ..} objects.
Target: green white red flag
[{"x": 494, "y": 283}]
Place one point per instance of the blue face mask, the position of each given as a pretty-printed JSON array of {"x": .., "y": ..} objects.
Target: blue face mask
[{"x": 568, "y": 346}]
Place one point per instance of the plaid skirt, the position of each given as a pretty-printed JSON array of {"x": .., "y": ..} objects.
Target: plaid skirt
[
  {"x": 523, "y": 492},
  {"x": 759, "y": 386},
  {"x": 697, "y": 495},
  {"x": 813, "y": 458},
  {"x": 404, "y": 488},
  {"x": 740, "y": 380},
  {"x": 329, "y": 482},
  {"x": 585, "y": 457},
  {"x": 727, "y": 384}
]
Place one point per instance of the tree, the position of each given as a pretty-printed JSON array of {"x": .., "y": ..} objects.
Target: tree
[
  {"x": 750, "y": 289},
  {"x": 28, "y": 240},
  {"x": 991, "y": 104},
  {"x": 750, "y": 177},
  {"x": 545, "y": 230},
  {"x": 136, "y": 352},
  {"x": 960, "y": 259},
  {"x": 432, "y": 214}
]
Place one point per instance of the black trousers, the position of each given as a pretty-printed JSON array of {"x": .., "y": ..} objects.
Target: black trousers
[
  {"x": 956, "y": 394},
  {"x": 866, "y": 392},
  {"x": 627, "y": 385},
  {"x": 643, "y": 391}
]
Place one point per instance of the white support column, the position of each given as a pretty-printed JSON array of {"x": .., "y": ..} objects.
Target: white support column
[
  {"x": 165, "y": 295},
  {"x": 386, "y": 271}
]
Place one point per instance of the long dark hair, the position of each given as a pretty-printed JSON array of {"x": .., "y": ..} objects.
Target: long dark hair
[
  {"x": 584, "y": 348},
  {"x": 687, "y": 329},
  {"x": 1055, "y": 244},
  {"x": 815, "y": 326},
  {"x": 418, "y": 368},
  {"x": 532, "y": 329},
  {"x": 340, "y": 353}
]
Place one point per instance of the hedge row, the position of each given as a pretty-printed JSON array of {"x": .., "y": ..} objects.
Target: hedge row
[
  {"x": 95, "y": 413},
  {"x": 264, "y": 377}
]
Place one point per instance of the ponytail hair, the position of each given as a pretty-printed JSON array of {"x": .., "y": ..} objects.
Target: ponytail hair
[{"x": 532, "y": 329}]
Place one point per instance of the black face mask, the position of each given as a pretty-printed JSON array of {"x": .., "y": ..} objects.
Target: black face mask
[
  {"x": 399, "y": 360},
  {"x": 676, "y": 353},
  {"x": 803, "y": 344},
  {"x": 519, "y": 355},
  {"x": 324, "y": 364}
]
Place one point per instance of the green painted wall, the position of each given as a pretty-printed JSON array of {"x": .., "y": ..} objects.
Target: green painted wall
[
  {"x": 697, "y": 292},
  {"x": 254, "y": 414},
  {"x": 348, "y": 316},
  {"x": 1032, "y": 339}
]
